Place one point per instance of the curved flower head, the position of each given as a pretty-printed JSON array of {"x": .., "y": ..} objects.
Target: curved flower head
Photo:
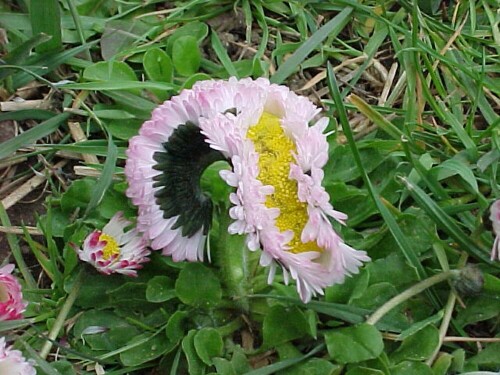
[
  {"x": 114, "y": 250},
  {"x": 12, "y": 305},
  {"x": 277, "y": 156},
  {"x": 495, "y": 223},
  {"x": 12, "y": 361}
]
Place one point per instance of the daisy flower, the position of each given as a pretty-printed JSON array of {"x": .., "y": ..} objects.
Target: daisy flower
[
  {"x": 12, "y": 305},
  {"x": 12, "y": 361},
  {"x": 264, "y": 131},
  {"x": 114, "y": 250},
  {"x": 495, "y": 222}
]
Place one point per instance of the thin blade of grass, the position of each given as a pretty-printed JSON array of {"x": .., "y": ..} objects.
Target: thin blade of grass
[
  {"x": 47, "y": 63},
  {"x": 119, "y": 85},
  {"x": 376, "y": 117},
  {"x": 41, "y": 363},
  {"x": 45, "y": 17},
  {"x": 281, "y": 365},
  {"x": 16, "y": 250},
  {"x": 21, "y": 52},
  {"x": 332, "y": 27},
  {"x": 9, "y": 325},
  {"x": 31, "y": 136},
  {"x": 389, "y": 219},
  {"x": 106, "y": 177},
  {"x": 221, "y": 53},
  {"x": 27, "y": 114}
]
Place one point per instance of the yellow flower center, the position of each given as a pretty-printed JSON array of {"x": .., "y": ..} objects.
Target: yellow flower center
[
  {"x": 275, "y": 155},
  {"x": 111, "y": 248}
]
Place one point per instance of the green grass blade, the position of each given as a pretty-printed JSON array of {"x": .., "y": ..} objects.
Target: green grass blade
[
  {"x": 120, "y": 85},
  {"x": 332, "y": 27},
  {"x": 45, "y": 17},
  {"x": 16, "y": 250},
  {"x": 9, "y": 325},
  {"x": 221, "y": 53},
  {"x": 31, "y": 136},
  {"x": 47, "y": 63},
  {"x": 106, "y": 177},
  {"x": 389, "y": 219},
  {"x": 27, "y": 114},
  {"x": 281, "y": 365}
]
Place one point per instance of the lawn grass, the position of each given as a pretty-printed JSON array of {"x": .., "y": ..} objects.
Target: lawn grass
[{"x": 413, "y": 96}]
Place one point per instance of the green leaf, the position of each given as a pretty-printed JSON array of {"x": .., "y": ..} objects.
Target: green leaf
[
  {"x": 124, "y": 129},
  {"x": 186, "y": 55},
  {"x": 195, "y": 364},
  {"x": 78, "y": 195},
  {"x": 109, "y": 71},
  {"x": 354, "y": 344},
  {"x": 488, "y": 356},
  {"x": 30, "y": 136},
  {"x": 314, "y": 366},
  {"x": 208, "y": 344},
  {"x": 455, "y": 166},
  {"x": 411, "y": 368},
  {"x": 283, "y": 324},
  {"x": 158, "y": 65},
  {"x": 148, "y": 348},
  {"x": 364, "y": 371},
  {"x": 120, "y": 35},
  {"x": 189, "y": 82},
  {"x": 442, "y": 364},
  {"x": 46, "y": 18},
  {"x": 198, "y": 286},
  {"x": 196, "y": 29},
  {"x": 417, "y": 347},
  {"x": 103, "y": 330},
  {"x": 375, "y": 295},
  {"x": 175, "y": 329},
  {"x": 479, "y": 309},
  {"x": 160, "y": 289}
]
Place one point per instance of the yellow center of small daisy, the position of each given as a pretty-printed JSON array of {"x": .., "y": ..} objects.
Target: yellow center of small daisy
[
  {"x": 275, "y": 151},
  {"x": 111, "y": 248}
]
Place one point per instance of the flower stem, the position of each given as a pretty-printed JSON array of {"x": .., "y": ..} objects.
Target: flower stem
[
  {"x": 408, "y": 293},
  {"x": 63, "y": 314},
  {"x": 233, "y": 262}
]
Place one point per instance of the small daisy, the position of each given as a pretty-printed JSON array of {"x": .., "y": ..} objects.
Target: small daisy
[
  {"x": 495, "y": 222},
  {"x": 12, "y": 305},
  {"x": 114, "y": 250},
  {"x": 12, "y": 361},
  {"x": 264, "y": 131}
]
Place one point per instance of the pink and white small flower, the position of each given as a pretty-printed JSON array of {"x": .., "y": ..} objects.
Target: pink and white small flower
[
  {"x": 495, "y": 222},
  {"x": 12, "y": 305},
  {"x": 12, "y": 361},
  {"x": 114, "y": 250}
]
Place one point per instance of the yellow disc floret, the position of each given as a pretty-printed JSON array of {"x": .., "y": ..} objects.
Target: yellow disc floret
[
  {"x": 111, "y": 248},
  {"x": 275, "y": 155}
]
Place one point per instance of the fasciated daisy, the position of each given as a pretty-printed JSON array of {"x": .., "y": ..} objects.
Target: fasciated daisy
[
  {"x": 114, "y": 250},
  {"x": 264, "y": 131}
]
